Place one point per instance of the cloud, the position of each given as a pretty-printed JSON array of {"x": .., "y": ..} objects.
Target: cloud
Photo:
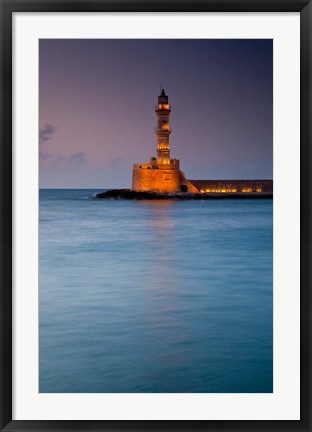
[
  {"x": 76, "y": 158},
  {"x": 116, "y": 161},
  {"x": 46, "y": 133},
  {"x": 58, "y": 159}
]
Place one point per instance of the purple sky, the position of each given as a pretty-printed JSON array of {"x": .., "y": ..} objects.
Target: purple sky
[{"x": 97, "y": 101}]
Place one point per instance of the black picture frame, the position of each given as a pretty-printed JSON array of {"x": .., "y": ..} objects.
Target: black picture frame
[{"x": 9, "y": 7}]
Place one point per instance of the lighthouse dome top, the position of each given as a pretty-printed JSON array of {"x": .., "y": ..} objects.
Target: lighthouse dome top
[{"x": 163, "y": 98}]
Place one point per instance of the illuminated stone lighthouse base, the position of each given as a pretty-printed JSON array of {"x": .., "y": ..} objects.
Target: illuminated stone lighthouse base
[
  {"x": 151, "y": 177},
  {"x": 145, "y": 179}
]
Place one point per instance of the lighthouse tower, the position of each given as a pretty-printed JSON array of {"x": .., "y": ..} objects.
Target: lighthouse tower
[
  {"x": 161, "y": 174},
  {"x": 162, "y": 129}
]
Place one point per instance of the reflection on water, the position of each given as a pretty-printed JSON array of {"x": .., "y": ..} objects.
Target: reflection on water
[
  {"x": 154, "y": 296},
  {"x": 161, "y": 301}
]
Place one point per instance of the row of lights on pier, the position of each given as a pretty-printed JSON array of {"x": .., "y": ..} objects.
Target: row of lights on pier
[{"x": 229, "y": 190}]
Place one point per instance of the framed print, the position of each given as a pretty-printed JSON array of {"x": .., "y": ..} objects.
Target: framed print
[{"x": 155, "y": 204}]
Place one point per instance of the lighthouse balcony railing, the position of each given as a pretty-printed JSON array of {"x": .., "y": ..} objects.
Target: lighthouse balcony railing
[
  {"x": 164, "y": 131},
  {"x": 163, "y": 107}
]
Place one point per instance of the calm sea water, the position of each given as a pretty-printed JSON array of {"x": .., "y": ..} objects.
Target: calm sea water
[{"x": 155, "y": 296}]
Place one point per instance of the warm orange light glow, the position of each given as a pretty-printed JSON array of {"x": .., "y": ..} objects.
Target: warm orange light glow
[
  {"x": 259, "y": 190},
  {"x": 214, "y": 190},
  {"x": 219, "y": 190},
  {"x": 247, "y": 190}
]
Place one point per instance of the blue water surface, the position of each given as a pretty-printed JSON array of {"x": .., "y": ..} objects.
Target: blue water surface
[{"x": 155, "y": 296}]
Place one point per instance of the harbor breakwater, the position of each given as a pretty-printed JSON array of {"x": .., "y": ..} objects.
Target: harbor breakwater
[{"x": 128, "y": 194}]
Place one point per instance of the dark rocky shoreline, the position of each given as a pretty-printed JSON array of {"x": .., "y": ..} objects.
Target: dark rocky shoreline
[{"x": 128, "y": 194}]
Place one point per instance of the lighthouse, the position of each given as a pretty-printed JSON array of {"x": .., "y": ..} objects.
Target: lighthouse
[
  {"x": 162, "y": 129},
  {"x": 161, "y": 174}
]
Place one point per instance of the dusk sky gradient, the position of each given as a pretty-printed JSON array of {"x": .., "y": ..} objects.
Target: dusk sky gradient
[{"x": 97, "y": 115}]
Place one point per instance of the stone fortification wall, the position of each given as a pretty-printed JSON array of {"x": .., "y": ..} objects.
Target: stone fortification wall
[
  {"x": 162, "y": 180},
  {"x": 233, "y": 185},
  {"x": 186, "y": 185}
]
